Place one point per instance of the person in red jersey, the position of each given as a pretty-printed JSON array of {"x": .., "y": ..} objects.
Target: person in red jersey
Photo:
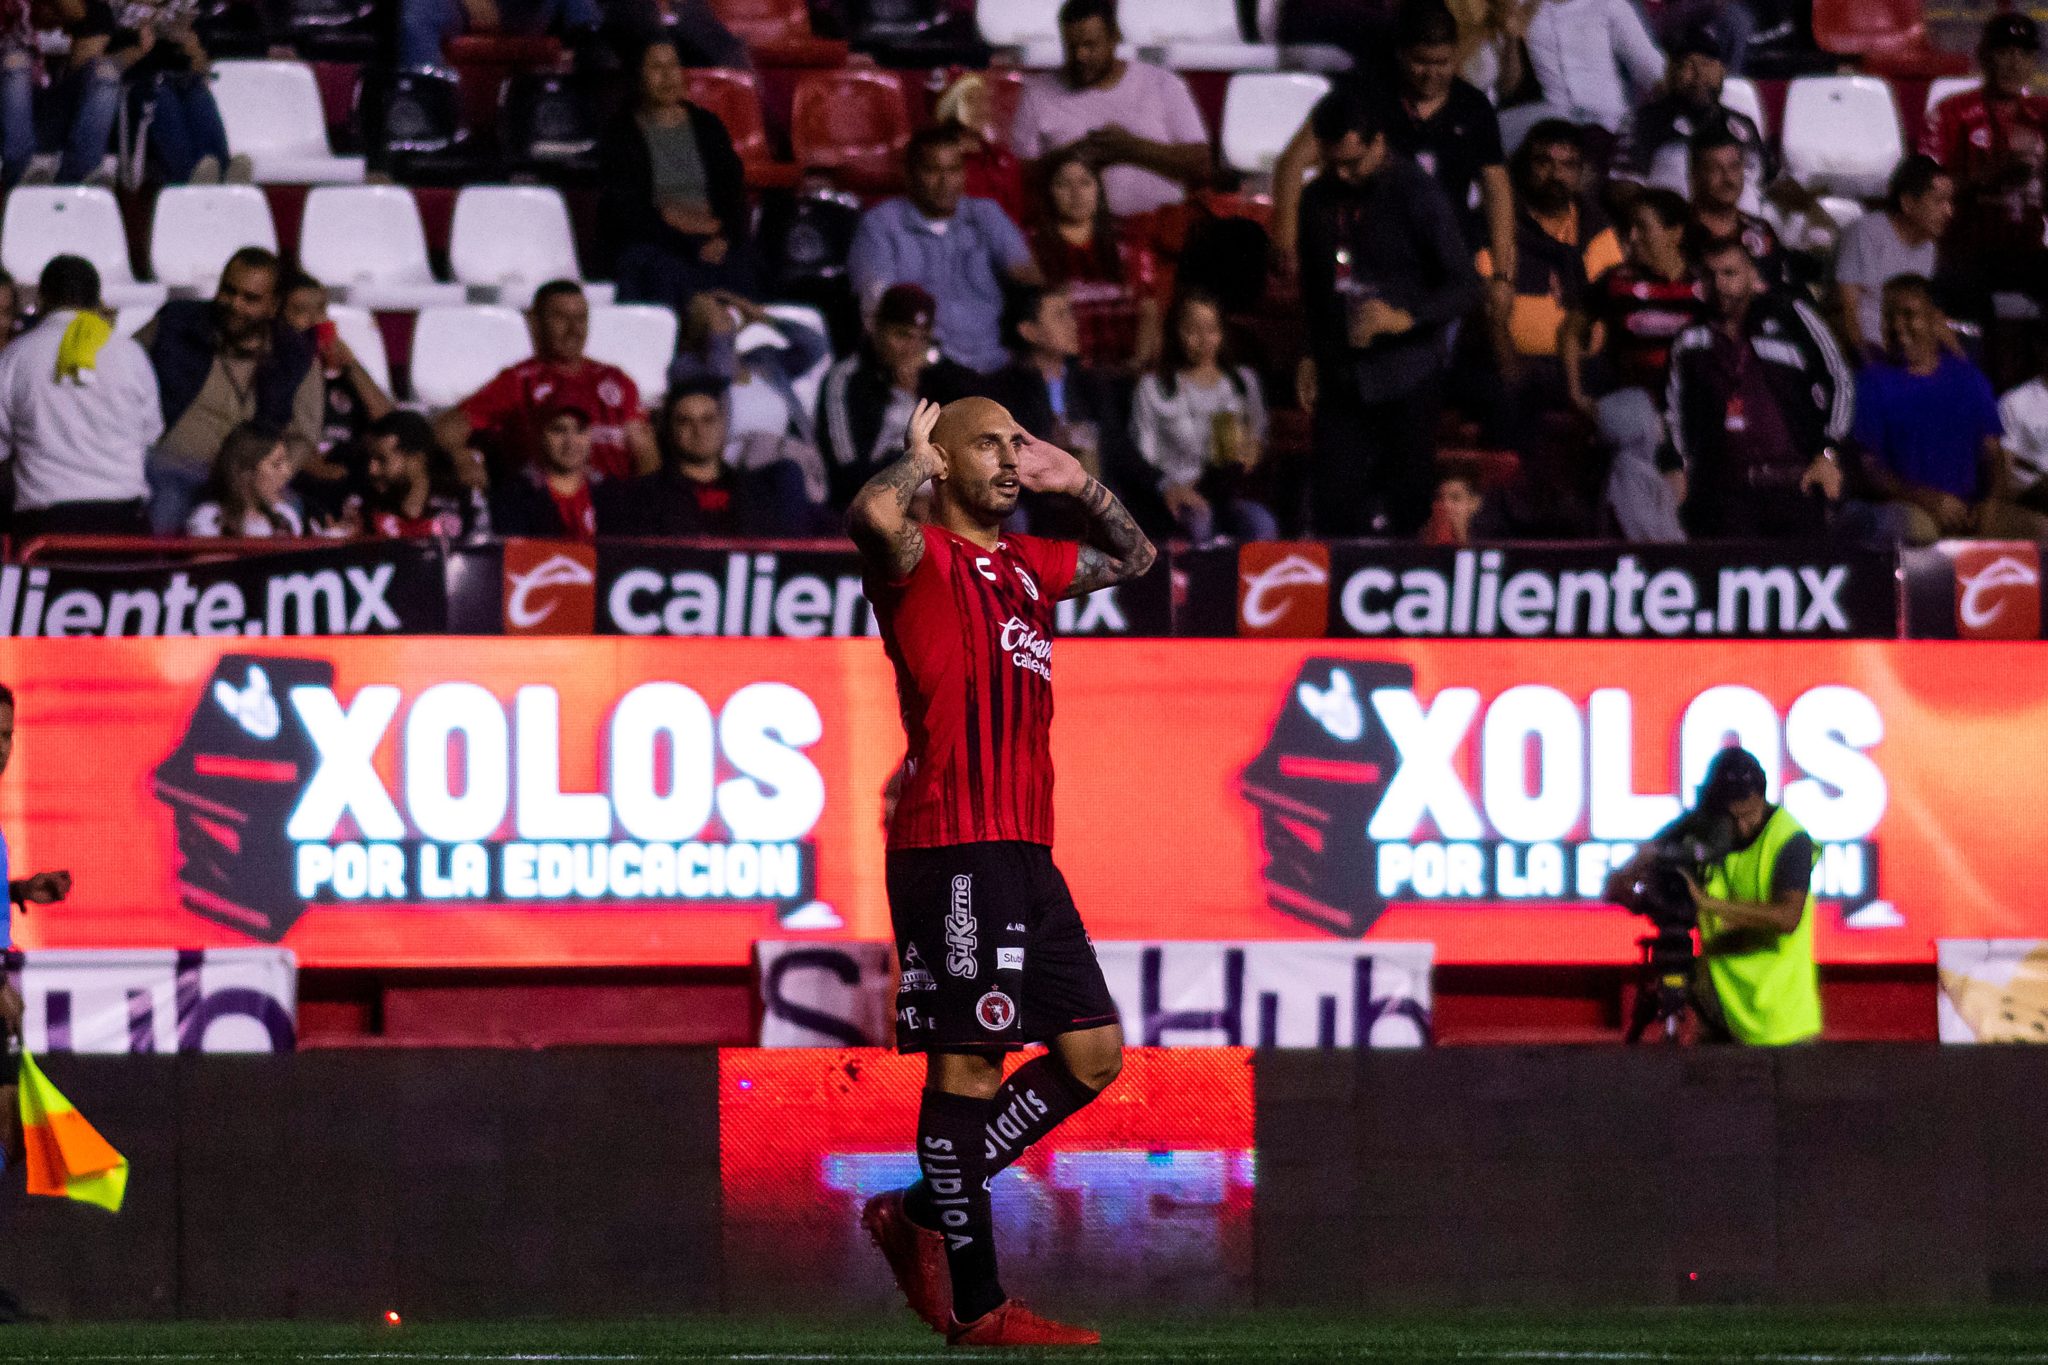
[{"x": 992, "y": 949}]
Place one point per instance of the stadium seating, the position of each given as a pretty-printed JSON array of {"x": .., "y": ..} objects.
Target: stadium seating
[
  {"x": 43, "y": 221},
  {"x": 736, "y": 99},
  {"x": 365, "y": 338},
  {"x": 809, "y": 383},
  {"x": 273, "y": 115},
  {"x": 778, "y": 33},
  {"x": 1889, "y": 37},
  {"x": 1941, "y": 87},
  {"x": 1029, "y": 28},
  {"x": 1195, "y": 35},
  {"x": 546, "y": 121},
  {"x": 853, "y": 123},
  {"x": 1841, "y": 134},
  {"x": 457, "y": 349},
  {"x": 639, "y": 338},
  {"x": 1740, "y": 94},
  {"x": 505, "y": 241},
  {"x": 1262, "y": 111},
  {"x": 366, "y": 242},
  {"x": 195, "y": 228}
]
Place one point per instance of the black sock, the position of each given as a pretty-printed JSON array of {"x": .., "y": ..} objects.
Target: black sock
[
  {"x": 1038, "y": 1097},
  {"x": 950, "y": 1151}
]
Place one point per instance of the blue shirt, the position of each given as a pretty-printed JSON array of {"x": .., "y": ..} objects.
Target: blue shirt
[
  {"x": 7, "y": 912},
  {"x": 1928, "y": 429},
  {"x": 960, "y": 261}
]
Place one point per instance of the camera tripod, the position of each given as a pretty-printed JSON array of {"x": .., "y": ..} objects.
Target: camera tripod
[{"x": 1663, "y": 986}]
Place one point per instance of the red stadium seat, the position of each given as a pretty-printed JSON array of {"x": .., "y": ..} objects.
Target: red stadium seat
[
  {"x": 735, "y": 98},
  {"x": 1005, "y": 89},
  {"x": 1890, "y": 36},
  {"x": 778, "y": 32},
  {"x": 853, "y": 123}
]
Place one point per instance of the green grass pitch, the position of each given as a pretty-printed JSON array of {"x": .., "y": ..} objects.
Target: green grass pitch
[{"x": 1883, "y": 1337}]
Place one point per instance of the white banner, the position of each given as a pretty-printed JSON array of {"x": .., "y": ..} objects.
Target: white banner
[
  {"x": 1993, "y": 990},
  {"x": 1313, "y": 994},
  {"x": 160, "y": 1000}
]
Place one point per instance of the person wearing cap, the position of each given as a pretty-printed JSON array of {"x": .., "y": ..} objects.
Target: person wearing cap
[
  {"x": 1994, "y": 140},
  {"x": 959, "y": 249},
  {"x": 552, "y": 498},
  {"x": 1655, "y": 146},
  {"x": 868, "y": 397},
  {"x": 502, "y": 418}
]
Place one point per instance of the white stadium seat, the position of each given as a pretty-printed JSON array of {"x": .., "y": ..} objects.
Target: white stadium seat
[
  {"x": 43, "y": 221},
  {"x": 365, "y": 338},
  {"x": 273, "y": 115},
  {"x": 639, "y": 338},
  {"x": 1196, "y": 35},
  {"x": 508, "y": 240},
  {"x": 1262, "y": 111},
  {"x": 457, "y": 349},
  {"x": 195, "y": 228},
  {"x": 1740, "y": 94},
  {"x": 367, "y": 244},
  {"x": 1941, "y": 87},
  {"x": 1032, "y": 27},
  {"x": 808, "y": 384},
  {"x": 1842, "y": 135}
]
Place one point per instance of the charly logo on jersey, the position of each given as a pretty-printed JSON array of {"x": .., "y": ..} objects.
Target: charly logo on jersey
[
  {"x": 1369, "y": 791},
  {"x": 1028, "y": 647},
  {"x": 961, "y": 930},
  {"x": 286, "y": 793}
]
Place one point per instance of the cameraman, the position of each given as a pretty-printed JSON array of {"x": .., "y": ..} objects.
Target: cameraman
[{"x": 1755, "y": 907}]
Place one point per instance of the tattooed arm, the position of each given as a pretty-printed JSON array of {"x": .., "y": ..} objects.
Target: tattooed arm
[
  {"x": 1116, "y": 548},
  {"x": 879, "y": 519}
]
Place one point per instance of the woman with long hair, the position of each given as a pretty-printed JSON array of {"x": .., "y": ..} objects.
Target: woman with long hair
[
  {"x": 1115, "y": 282},
  {"x": 247, "y": 497},
  {"x": 1200, "y": 421}
]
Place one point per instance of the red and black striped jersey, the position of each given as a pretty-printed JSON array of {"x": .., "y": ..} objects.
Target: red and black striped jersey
[{"x": 970, "y": 635}]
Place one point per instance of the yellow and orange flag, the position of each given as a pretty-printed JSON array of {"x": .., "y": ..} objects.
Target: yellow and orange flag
[{"x": 65, "y": 1155}]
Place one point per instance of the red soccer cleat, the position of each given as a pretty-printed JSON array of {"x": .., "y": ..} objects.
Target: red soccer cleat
[
  {"x": 916, "y": 1256},
  {"x": 1012, "y": 1324}
]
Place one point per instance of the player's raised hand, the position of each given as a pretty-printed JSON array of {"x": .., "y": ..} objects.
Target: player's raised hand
[
  {"x": 917, "y": 437},
  {"x": 1043, "y": 467}
]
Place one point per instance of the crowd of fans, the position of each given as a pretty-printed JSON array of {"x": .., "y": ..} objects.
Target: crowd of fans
[{"x": 1622, "y": 320}]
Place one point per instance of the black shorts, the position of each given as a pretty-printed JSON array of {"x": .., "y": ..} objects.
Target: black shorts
[{"x": 992, "y": 950}]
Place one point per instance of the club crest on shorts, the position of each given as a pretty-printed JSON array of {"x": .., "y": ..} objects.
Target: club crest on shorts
[
  {"x": 996, "y": 1011},
  {"x": 960, "y": 929}
]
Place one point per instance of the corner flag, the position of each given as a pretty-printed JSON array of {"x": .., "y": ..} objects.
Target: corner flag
[{"x": 65, "y": 1155}]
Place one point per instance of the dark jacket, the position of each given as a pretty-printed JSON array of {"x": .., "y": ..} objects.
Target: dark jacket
[
  {"x": 626, "y": 211},
  {"x": 1668, "y": 119},
  {"x": 850, "y": 411},
  {"x": 766, "y": 503},
  {"x": 1401, "y": 240},
  {"x": 1542, "y": 261},
  {"x": 1801, "y": 367},
  {"x": 520, "y": 505},
  {"x": 186, "y": 343}
]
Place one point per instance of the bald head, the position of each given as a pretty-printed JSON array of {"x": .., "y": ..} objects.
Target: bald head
[
  {"x": 981, "y": 443},
  {"x": 964, "y": 419}
]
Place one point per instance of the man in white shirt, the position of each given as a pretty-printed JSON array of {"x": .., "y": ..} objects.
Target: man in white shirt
[
  {"x": 1137, "y": 122},
  {"x": 2024, "y": 411},
  {"x": 1595, "y": 59},
  {"x": 78, "y": 415}
]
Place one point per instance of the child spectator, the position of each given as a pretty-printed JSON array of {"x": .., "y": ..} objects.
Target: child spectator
[
  {"x": 247, "y": 498},
  {"x": 1200, "y": 422}
]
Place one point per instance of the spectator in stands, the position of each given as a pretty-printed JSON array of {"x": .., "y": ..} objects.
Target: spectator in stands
[
  {"x": 1931, "y": 431},
  {"x": 1563, "y": 241},
  {"x": 425, "y": 26},
  {"x": 869, "y": 396},
  {"x": 1490, "y": 34},
  {"x": 219, "y": 365},
  {"x": 758, "y": 356},
  {"x": 1616, "y": 349},
  {"x": 957, "y": 248},
  {"x": 692, "y": 25},
  {"x": 1994, "y": 141},
  {"x": 1879, "y": 247},
  {"x": 508, "y": 413},
  {"x": 715, "y": 482},
  {"x": 78, "y": 97},
  {"x": 1199, "y": 421},
  {"x": 1111, "y": 276},
  {"x": 2024, "y": 411},
  {"x": 554, "y": 497},
  {"x": 353, "y": 401},
  {"x": 1720, "y": 178},
  {"x": 1656, "y": 146},
  {"x": 1758, "y": 400},
  {"x": 410, "y": 488},
  {"x": 673, "y": 217},
  {"x": 1136, "y": 122},
  {"x": 1384, "y": 271},
  {"x": 993, "y": 171},
  {"x": 164, "y": 67},
  {"x": 1595, "y": 61},
  {"x": 78, "y": 414},
  {"x": 1457, "y": 505},
  {"x": 249, "y": 494}
]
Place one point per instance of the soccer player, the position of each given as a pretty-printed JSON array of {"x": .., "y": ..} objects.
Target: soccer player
[{"x": 992, "y": 948}]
